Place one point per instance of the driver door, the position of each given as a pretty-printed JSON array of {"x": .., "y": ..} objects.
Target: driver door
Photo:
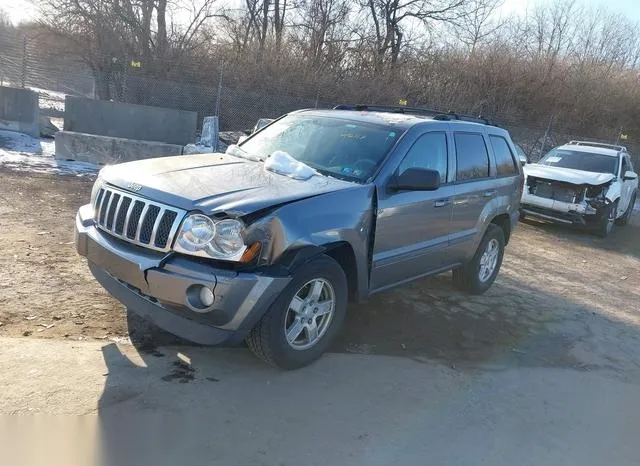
[{"x": 412, "y": 227}]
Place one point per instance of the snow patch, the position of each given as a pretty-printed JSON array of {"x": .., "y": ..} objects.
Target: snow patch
[
  {"x": 22, "y": 152},
  {"x": 282, "y": 163}
]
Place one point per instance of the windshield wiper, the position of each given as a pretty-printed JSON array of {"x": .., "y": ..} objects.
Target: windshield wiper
[{"x": 237, "y": 151}]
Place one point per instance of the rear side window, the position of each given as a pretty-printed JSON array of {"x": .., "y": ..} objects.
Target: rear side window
[
  {"x": 429, "y": 151},
  {"x": 505, "y": 162},
  {"x": 472, "y": 157}
]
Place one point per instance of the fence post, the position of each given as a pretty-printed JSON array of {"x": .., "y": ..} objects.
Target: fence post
[
  {"x": 24, "y": 60},
  {"x": 546, "y": 134},
  {"x": 619, "y": 134},
  {"x": 219, "y": 91}
]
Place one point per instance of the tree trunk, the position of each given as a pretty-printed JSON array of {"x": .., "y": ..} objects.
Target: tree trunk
[{"x": 161, "y": 39}]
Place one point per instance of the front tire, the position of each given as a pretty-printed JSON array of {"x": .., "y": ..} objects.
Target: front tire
[
  {"x": 300, "y": 325},
  {"x": 607, "y": 220},
  {"x": 479, "y": 274}
]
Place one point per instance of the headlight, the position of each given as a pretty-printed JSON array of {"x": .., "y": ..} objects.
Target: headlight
[{"x": 217, "y": 239}]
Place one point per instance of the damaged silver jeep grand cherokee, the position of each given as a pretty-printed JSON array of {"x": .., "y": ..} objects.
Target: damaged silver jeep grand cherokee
[{"x": 269, "y": 241}]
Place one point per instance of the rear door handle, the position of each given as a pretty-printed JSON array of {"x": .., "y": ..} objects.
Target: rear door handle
[
  {"x": 442, "y": 202},
  {"x": 489, "y": 193}
]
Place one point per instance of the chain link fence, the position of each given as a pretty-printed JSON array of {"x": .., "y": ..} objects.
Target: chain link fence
[{"x": 238, "y": 107}]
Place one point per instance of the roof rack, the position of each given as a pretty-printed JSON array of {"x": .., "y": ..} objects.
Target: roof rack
[
  {"x": 437, "y": 114},
  {"x": 599, "y": 144}
]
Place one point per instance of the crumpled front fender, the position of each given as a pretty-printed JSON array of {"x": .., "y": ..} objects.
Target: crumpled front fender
[
  {"x": 613, "y": 192},
  {"x": 313, "y": 224}
]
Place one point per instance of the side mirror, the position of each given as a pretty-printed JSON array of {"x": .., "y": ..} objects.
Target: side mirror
[
  {"x": 630, "y": 176},
  {"x": 416, "y": 179},
  {"x": 248, "y": 132}
]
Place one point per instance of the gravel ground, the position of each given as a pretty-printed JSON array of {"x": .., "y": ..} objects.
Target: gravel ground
[{"x": 563, "y": 298}]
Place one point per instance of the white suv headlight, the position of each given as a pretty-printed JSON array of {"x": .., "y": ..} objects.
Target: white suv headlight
[{"x": 217, "y": 239}]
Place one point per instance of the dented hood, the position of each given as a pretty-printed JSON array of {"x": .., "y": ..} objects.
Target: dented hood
[
  {"x": 567, "y": 175},
  {"x": 214, "y": 183}
]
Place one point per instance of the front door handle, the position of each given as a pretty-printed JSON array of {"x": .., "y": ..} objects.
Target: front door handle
[
  {"x": 442, "y": 202},
  {"x": 489, "y": 193}
]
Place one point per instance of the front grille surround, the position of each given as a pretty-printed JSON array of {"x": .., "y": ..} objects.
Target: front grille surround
[
  {"x": 555, "y": 190},
  {"x": 137, "y": 220}
]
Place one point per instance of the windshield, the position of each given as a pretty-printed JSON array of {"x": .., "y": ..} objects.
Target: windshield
[
  {"x": 345, "y": 149},
  {"x": 585, "y": 161}
]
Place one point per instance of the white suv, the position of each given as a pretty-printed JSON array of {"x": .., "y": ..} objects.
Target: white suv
[{"x": 582, "y": 183}]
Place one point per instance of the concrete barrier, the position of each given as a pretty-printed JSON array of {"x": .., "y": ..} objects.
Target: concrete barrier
[
  {"x": 19, "y": 111},
  {"x": 129, "y": 121},
  {"x": 103, "y": 150}
]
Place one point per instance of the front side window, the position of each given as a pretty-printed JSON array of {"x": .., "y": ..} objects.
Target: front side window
[
  {"x": 429, "y": 152},
  {"x": 625, "y": 166},
  {"x": 505, "y": 162},
  {"x": 472, "y": 157},
  {"x": 342, "y": 148},
  {"x": 578, "y": 160}
]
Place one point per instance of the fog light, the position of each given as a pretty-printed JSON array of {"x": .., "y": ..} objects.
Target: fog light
[
  {"x": 206, "y": 296},
  {"x": 199, "y": 298}
]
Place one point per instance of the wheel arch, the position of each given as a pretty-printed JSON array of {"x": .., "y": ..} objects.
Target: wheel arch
[
  {"x": 504, "y": 222},
  {"x": 341, "y": 251}
]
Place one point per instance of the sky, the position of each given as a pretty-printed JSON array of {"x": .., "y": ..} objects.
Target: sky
[
  {"x": 24, "y": 10},
  {"x": 631, "y": 8}
]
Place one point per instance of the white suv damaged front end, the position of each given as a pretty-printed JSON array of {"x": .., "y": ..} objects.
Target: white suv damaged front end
[
  {"x": 582, "y": 183},
  {"x": 567, "y": 196}
]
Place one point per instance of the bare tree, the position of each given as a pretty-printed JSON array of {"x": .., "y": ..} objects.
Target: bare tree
[
  {"x": 107, "y": 34},
  {"x": 480, "y": 24},
  {"x": 390, "y": 17},
  {"x": 322, "y": 25}
]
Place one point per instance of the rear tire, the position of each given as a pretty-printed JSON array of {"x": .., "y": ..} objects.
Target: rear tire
[
  {"x": 268, "y": 339},
  {"x": 624, "y": 220},
  {"x": 479, "y": 274}
]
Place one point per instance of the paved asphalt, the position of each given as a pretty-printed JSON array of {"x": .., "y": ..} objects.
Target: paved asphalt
[{"x": 223, "y": 407}]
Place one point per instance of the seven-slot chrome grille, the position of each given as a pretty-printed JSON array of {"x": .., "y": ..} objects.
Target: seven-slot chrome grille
[{"x": 137, "y": 220}]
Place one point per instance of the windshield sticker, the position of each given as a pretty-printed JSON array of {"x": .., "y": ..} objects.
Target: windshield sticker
[{"x": 553, "y": 159}]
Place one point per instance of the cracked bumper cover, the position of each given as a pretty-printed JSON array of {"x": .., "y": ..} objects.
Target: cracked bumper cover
[
  {"x": 154, "y": 285},
  {"x": 582, "y": 213}
]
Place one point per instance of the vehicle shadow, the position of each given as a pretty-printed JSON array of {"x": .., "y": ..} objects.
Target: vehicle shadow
[
  {"x": 222, "y": 406},
  {"x": 622, "y": 240},
  {"x": 512, "y": 324}
]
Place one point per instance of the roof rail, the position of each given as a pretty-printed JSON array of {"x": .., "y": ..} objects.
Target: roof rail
[
  {"x": 599, "y": 144},
  {"x": 437, "y": 114}
]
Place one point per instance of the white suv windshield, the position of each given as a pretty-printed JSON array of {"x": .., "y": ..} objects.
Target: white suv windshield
[
  {"x": 345, "y": 149},
  {"x": 585, "y": 161}
]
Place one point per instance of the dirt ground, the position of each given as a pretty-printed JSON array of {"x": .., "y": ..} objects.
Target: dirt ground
[{"x": 563, "y": 298}]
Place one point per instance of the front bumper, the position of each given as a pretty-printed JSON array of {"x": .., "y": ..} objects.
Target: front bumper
[
  {"x": 157, "y": 286},
  {"x": 580, "y": 214}
]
